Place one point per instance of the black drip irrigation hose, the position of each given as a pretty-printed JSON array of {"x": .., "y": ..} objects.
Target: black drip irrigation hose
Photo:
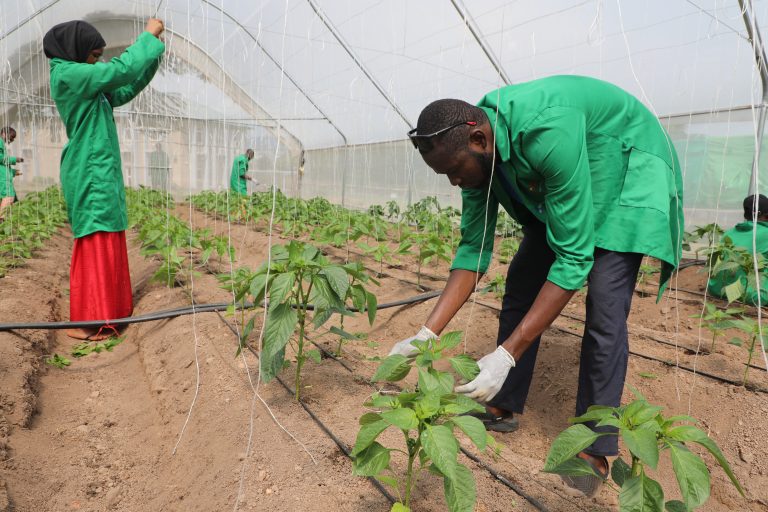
[
  {"x": 187, "y": 310},
  {"x": 342, "y": 446}
]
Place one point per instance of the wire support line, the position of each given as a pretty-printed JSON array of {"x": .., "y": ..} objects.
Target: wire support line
[
  {"x": 326, "y": 430},
  {"x": 280, "y": 67},
  {"x": 335, "y": 32}
]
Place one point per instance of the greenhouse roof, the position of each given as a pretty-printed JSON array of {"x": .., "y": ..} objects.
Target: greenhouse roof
[{"x": 333, "y": 72}]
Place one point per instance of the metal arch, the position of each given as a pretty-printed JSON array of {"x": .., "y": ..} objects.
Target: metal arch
[
  {"x": 29, "y": 18},
  {"x": 760, "y": 60},
  {"x": 280, "y": 67},
  {"x": 469, "y": 21},
  {"x": 356, "y": 60}
]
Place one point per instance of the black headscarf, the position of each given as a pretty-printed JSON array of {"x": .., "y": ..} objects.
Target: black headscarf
[
  {"x": 72, "y": 40},
  {"x": 749, "y": 207}
]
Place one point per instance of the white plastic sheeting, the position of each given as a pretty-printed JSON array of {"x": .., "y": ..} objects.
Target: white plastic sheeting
[{"x": 321, "y": 74}]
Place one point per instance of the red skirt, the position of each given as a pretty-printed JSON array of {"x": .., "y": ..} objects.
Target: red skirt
[{"x": 99, "y": 279}]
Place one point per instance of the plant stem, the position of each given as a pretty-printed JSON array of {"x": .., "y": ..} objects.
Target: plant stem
[
  {"x": 749, "y": 359},
  {"x": 300, "y": 351}
]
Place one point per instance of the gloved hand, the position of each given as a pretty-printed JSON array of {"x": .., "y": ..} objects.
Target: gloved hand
[
  {"x": 493, "y": 372},
  {"x": 405, "y": 348}
]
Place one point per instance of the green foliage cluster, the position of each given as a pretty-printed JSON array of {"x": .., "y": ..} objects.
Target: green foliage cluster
[
  {"x": 736, "y": 267},
  {"x": 647, "y": 434},
  {"x": 167, "y": 237},
  {"x": 28, "y": 224},
  {"x": 298, "y": 277},
  {"x": 428, "y": 418}
]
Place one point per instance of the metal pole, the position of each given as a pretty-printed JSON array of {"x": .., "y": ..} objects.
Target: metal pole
[
  {"x": 334, "y": 31},
  {"x": 760, "y": 60},
  {"x": 469, "y": 21},
  {"x": 276, "y": 63}
]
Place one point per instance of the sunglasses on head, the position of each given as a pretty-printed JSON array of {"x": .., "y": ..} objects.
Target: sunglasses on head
[{"x": 417, "y": 138}]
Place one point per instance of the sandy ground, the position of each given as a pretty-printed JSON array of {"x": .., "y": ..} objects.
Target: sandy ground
[{"x": 172, "y": 420}]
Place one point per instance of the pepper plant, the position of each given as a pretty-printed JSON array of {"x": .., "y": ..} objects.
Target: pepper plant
[
  {"x": 647, "y": 434},
  {"x": 751, "y": 328},
  {"x": 299, "y": 282},
  {"x": 717, "y": 320},
  {"x": 428, "y": 418}
]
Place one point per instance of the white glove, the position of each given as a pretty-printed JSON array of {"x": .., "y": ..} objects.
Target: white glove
[
  {"x": 405, "y": 348},
  {"x": 493, "y": 372}
]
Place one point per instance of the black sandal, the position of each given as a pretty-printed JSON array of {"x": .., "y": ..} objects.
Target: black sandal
[
  {"x": 497, "y": 423},
  {"x": 588, "y": 484}
]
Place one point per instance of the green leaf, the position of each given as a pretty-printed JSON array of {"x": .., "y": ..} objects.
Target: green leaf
[
  {"x": 575, "y": 467},
  {"x": 461, "y": 404},
  {"x": 686, "y": 433},
  {"x": 691, "y": 473},
  {"x": 404, "y": 419},
  {"x": 280, "y": 288},
  {"x": 734, "y": 291},
  {"x": 675, "y": 506},
  {"x": 341, "y": 332},
  {"x": 371, "y": 425},
  {"x": 371, "y": 461},
  {"x": 281, "y": 322},
  {"x": 473, "y": 428},
  {"x": 641, "y": 494},
  {"x": 594, "y": 413},
  {"x": 392, "y": 369},
  {"x": 371, "y": 305},
  {"x": 257, "y": 287},
  {"x": 620, "y": 471},
  {"x": 642, "y": 443},
  {"x": 387, "y": 480},
  {"x": 460, "y": 492},
  {"x": 314, "y": 355},
  {"x": 441, "y": 447},
  {"x": 399, "y": 507},
  {"x": 338, "y": 279},
  {"x": 465, "y": 366},
  {"x": 449, "y": 340},
  {"x": 570, "y": 442},
  {"x": 427, "y": 406}
]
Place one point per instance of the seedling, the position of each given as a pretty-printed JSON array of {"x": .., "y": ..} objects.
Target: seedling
[
  {"x": 58, "y": 361},
  {"x": 431, "y": 247},
  {"x": 643, "y": 274},
  {"x": 497, "y": 286},
  {"x": 507, "y": 249},
  {"x": 428, "y": 417},
  {"x": 646, "y": 434},
  {"x": 717, "y": 320},
  {"x": 86, "y": 348},
  {"x": 298, "y": 276},
  {"x": 751, "y": 328}
]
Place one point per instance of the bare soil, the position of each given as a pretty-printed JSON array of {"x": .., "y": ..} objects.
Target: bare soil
[{"x": 172, "y": 420}]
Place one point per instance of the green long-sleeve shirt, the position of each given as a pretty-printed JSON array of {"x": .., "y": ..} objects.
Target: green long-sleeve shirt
[
  {"x": 91, "y": 168},
  {"x": 6, "y": 173},
  {"x": 588, "y": 160},
  {"x": 741, "y": 236},
  {"x": 237, "y": 182}
]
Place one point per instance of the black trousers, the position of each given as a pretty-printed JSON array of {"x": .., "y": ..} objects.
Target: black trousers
[{"x": 604, "y": 346}]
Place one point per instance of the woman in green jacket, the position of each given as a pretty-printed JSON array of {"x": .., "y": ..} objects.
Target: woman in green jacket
[
  {"x": 85, "y": 92},
  {"x": 7, "y": 173}
]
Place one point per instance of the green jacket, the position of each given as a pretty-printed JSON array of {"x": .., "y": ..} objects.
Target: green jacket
[
  {"x": 741, "y": 236},
  {"x": 91, "y": 169},
  {"x": 237, "y": 182},
  {"x": 6, "y": 173},
  {"x": 588, "y": 160}
]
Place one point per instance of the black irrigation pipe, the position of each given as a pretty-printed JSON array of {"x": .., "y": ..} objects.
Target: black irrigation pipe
[
  {"x": 186, "y": 310},
  {"x": 662, "y": 341},
  {"x": 342, "y": 446}
]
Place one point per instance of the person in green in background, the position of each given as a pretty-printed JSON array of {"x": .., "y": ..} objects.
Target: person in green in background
[
  {"x": 238, "y": 177},
  {"x": 159, "y": 169},
  {"x": 594, "y": 179},
  {"x": 7, "y": 173},
  {"x": 85, "y": 91},
  {"x": 755, "y": 224}
]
